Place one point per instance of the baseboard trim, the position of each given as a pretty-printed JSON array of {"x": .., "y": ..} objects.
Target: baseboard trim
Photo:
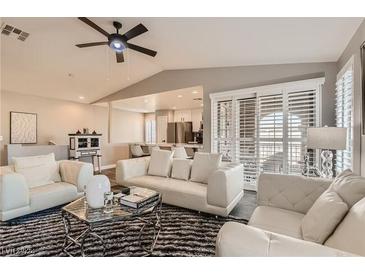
[{"x": 106, "y": 167}]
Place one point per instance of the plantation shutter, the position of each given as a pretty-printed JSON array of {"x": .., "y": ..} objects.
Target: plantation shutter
[
  {"x": 302, "y": 113},
  {"x": 344, "y": 118},
  {"x": 246, "y": 139},
  {"x": 266, "y": 129},
  {"x": 270, "y": 133},
  {"x": 223, "y": 139}
]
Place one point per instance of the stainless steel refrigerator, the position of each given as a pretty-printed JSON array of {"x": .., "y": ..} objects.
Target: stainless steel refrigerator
[{"x": 180, "y": 132}]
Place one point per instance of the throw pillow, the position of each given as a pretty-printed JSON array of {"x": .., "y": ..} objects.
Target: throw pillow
[
  {"x": 160, "y": 163},
  {"x": 181, "y": 169},
  {"x": 349, "y": 235},
  {"x": 350, "y": 187},
  {"x": 204, "y": 164},
  {"x": 38, "y": 170},
  {"x": 323, "y": 217}
]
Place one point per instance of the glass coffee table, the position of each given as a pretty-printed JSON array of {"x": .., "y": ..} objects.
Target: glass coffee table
[{"x": 92, "y": 218}]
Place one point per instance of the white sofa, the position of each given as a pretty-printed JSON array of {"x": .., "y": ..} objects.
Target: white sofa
[
  {"x": 223, "y": 190},
  {"x": 17, "y": 198},
  {"x": 275, "y": 226}
]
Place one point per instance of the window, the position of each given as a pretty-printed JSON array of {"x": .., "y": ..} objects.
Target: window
[
  {"x": 150, "y": 131},
  {"x": 344, "y": 115},
  {"x": 223, "y": 142},
  {"x": 265, "y": 128}
]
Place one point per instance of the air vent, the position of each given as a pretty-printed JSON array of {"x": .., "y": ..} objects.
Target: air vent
[
  {"x": 14, "y": 32},
  {"x": 198, "y": 99}
]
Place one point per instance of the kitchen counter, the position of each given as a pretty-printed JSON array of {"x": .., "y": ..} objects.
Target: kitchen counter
[{"x": 196, "y": 146}]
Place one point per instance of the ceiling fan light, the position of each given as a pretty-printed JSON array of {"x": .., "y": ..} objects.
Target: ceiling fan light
[{"x": 117, "y": 44}]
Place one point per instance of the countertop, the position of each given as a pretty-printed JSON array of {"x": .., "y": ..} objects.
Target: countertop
[{"x": 199, "y": 146}]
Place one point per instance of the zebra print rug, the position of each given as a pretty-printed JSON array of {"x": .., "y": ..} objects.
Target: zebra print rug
[{"x": 184, "y": 233}]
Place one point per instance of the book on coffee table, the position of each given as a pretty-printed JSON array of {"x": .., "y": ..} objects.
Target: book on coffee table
[{"x": 139, "y": 198}]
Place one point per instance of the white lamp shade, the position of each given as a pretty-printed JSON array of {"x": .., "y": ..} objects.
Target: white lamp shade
[{"x": 327, "y": 138}]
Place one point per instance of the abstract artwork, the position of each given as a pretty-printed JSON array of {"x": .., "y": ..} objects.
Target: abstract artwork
[{"x": 23, "y": 128}]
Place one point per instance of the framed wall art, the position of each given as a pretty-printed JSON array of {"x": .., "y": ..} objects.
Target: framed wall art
[{"x": 23, "y": 128}]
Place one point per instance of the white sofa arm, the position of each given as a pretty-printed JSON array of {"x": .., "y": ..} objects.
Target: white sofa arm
[
  {"x": 239, "y": 240},
  {"x": 296, "y": 193},
  {"x": 14, "y": 191},
  {"x": 130, "y": 168},
  {"x": 76, "y": 173},
  {"x": 225, "y": 184}
]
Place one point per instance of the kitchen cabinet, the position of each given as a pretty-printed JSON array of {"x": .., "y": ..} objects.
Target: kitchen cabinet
[
  {"x": 182, "y": 115},
  {"x": 189, "y": 115}
]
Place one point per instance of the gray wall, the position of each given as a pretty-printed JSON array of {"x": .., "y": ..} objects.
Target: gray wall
[
  {"x": 353, "y": 49},
  {"x": 230, "y": 78}
]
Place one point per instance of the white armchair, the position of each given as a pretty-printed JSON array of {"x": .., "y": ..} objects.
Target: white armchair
[
  {"x": 18, "y": 198},
  {"x": 275, "y": 227},
  {"x": 14, "y": 192}
]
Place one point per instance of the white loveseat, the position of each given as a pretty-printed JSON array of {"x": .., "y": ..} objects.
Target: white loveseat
[
  {"x": 275, "y": 226},
  {"x": 218, "y": 196},
  {"x": 18, "y": 197}
]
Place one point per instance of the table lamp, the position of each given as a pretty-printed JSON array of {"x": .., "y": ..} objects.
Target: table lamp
[{"x": 327, "y": 139}]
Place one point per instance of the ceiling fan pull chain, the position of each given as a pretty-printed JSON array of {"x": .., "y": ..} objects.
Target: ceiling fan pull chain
[
  {"x": 128, "y": 62},
  {"x": 107, "y": 66}
]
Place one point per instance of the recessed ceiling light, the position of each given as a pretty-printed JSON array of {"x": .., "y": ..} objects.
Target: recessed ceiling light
[
  {"x": 173, "y": 107},
  {"x": 179, "y": 96},
  {"x": 195, "y": 92},
  {"x": 201, "y": 105},
  {"x": 81, "y": 97},
  {"x": 145, "y": 100}
]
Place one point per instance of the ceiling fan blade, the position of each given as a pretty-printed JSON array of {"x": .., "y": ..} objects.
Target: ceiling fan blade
[
  {"x": 142, "y": 50},
  {"x": 93, "y": 25},
  {"x": 120, "y": 57},
  {"x": 137, "y": 30},
  {"x": 91, "y": 44}
]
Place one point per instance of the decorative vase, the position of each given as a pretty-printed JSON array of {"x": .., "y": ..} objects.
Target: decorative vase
[{"x": 95, "y": 190}]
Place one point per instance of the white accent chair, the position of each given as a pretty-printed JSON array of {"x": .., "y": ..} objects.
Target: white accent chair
[
  {"x": 137, "y": 151},
  {"x": 17, "y": 198},
  {"x": 179, "y": 152},
  {"x": 221, "y": 193},
  {"x": 275, "y": 226},
  {"x": 152, "y": 148}
]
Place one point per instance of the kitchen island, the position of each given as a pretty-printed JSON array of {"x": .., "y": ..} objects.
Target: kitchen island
[{"x": 191, "y": 148}]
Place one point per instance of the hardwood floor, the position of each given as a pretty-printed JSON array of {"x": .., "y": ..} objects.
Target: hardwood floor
[{"x": 244, "y": 208}]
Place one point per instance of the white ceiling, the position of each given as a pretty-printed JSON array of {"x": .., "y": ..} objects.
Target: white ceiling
[
  {"x": 41, "y": 65},
  {"x": 173, "y": 100}
]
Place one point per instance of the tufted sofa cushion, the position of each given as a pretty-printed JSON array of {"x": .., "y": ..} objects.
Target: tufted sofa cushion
[{"x": 296, "y": 193}]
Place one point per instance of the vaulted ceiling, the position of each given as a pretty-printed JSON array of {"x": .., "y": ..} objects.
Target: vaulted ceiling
[{"x": 48, "y": 64}]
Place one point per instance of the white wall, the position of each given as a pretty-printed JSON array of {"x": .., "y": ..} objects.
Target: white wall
[{"x": 58, "y": 118}]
